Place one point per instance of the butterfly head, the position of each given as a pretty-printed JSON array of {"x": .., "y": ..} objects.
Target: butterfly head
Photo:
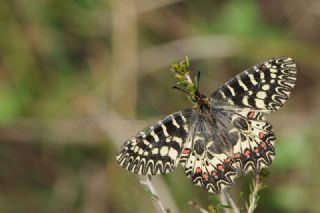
[
  {"x": 201, "y": 102},
  {"x": 198, "y": 97}
]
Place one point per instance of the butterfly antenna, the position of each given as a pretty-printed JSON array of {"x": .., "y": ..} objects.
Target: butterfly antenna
[
  {"x": 198, "y": 79},
  {"x": 182, "y": 90}
]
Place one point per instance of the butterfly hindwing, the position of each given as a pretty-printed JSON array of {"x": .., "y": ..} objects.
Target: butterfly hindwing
[
  {"x": 157, "y": 149},
  {"x": 263, "y": 87},
  {"x": 212, "y": 172},
  {"x": 213, "y": 162},
  {"x": 254, "y": 149}
]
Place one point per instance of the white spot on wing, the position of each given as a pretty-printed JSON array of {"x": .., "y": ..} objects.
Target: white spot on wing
[
  {"x": 146, "y": 142},
  {"x": 253, "y": 81},
  {"x": 231, "y": 90},
  {"x": 164, "y": 151},
  {"x": 177, "y": 139},
  {"x": 173, "y": 154},
  {"x": 245, "y": 101},
  {"x": 230, "y": 102},
  {"x": 155, "y": 136},
  {"x": 183, "y": 118},
  {"x": 164, "y": 129},
  {"x": 272, "y": 70},
  {"x": 155, "y": 151},
  {"x": 136, "y": 149},
  {"x": 222, "y": 93},
  {"x": 291, "y": 65},
  {"x": 260, "y": 103},
  {"x": 143, "y": 134},
  {"x": 245, "y": 88},
  {"x": 266, "y": 87},
  {"x": 273, "y": 75},
  {"x": 261, "y": 95},
  {"x": 175, "y": 122}
]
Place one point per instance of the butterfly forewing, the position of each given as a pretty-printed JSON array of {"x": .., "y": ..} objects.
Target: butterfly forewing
[
  {"x": 157, "y": 149},
  {"x": 263, "y": 87}
]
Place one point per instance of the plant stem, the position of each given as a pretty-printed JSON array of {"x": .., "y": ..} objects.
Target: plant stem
[
  {"x": 231, "y": 202},
  {"x": 153, "y": 191},
  {"x": 224, "y": 201},
  {"x": 253, "y": 198}
]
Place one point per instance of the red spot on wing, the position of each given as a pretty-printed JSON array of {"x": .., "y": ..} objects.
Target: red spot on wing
[
  {"x": 220, "y": 167},
  {"x": 205, "y": 176},
  {"x": 214, "y": 174},
  {"x": 198, "y": 170},
  {"x": 186, "y": 151},
  {"x": 256, "y": 150},
  {"x": 263, "y": 145},
  {"x": 247, "y": 153},
  {"x": 261, "y": 135},
  {"x": 250, "y": 115}
]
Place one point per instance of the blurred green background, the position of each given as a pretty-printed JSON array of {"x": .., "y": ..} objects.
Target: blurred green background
[{"x": 77, "y": 78}]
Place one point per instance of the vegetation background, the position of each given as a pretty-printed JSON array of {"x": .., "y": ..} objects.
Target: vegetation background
[{"x": 77, "y": 78}]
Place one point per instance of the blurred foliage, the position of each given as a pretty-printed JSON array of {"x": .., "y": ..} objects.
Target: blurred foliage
[{"x": 59, "y": 67}]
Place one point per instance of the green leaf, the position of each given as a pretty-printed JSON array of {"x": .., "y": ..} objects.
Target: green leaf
[{"x": 182, "y": 74}]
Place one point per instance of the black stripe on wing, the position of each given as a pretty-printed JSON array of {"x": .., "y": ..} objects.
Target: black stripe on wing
[
  {"x": 157, "y": 149},
  {"x": 263, "y": 87}
]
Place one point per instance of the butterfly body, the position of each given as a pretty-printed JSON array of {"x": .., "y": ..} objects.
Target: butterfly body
[{"x": 221, "y": 135}]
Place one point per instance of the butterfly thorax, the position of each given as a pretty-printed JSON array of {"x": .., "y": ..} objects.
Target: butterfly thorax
[
  {"x": 202, "y": 104},
  {"x": 208, "y": 123}
]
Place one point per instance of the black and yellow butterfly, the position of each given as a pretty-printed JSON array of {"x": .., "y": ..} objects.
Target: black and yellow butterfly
[{"x": 221, "y": 135}]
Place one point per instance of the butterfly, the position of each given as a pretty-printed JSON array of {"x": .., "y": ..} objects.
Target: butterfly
[{"x": 222, "y": 135}]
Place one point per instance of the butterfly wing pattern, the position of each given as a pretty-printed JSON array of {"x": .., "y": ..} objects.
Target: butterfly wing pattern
[
  {"x": 264, "y": 87},
  {"x": 224, "y": 138},
  {"x": 157, "y": 149}
]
